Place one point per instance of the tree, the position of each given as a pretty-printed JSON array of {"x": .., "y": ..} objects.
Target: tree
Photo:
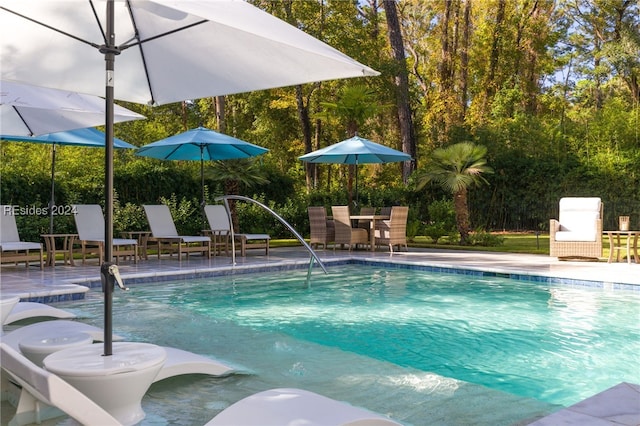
[
  {"x": 455, "y": 169},
  {"x": 401, "y": 79}
]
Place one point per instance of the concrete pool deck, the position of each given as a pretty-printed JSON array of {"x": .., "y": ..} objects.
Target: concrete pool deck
[{"x": 619, "y": 405}]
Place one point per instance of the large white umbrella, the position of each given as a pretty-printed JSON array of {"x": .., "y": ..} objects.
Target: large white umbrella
[
  {"x": 166, "y": 50},
  {"x": 28, "y": 110}
]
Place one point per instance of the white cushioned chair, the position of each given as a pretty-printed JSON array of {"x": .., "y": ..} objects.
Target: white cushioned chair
[{"x": 578, "y": 231}]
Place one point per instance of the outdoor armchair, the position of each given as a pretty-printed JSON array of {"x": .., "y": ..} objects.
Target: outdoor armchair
[
  {"x": 345, "y": 233},
  {"x": 164, "y": 233},
  {"x": 90, "y": 226},
  {"x": 578, "y": 231},
  {"x": 393, "y": 232},
  {"x": 323, "y": 231},
  {"x": 12, "y": 249}
]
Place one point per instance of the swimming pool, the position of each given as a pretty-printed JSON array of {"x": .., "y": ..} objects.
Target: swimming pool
[{"x": 424, "y": 348}]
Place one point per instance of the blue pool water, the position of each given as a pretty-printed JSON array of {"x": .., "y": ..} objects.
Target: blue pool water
[{"x": 454, "y": 341}]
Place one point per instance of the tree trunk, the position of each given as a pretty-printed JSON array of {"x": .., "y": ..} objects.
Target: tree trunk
[
  {"x": 305, "y": 125},
  {"x": 462, "y": 215},
  {"x": 464, "y": 60},
  {"x": 405, "y": 120},
  {"x": 220, "y": 117}
]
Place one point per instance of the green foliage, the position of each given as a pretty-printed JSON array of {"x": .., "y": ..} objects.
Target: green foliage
[
  {"x": 442, "y": 220},
  {"x": 480, "y": 237}
]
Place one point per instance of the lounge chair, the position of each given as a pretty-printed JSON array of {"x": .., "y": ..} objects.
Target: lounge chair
[
  {"x": 393, "y": 232},
  {"x": 164, "y": 233},
  {"x": 12, "y": 249},
  {"x": 578, "y": 231},
  {"x": 345, "y": 233},
  {"x": 323, "y": 231},
  {"x": 296, "y": 407},
  {"x": 271, "y": 407},
  {"x": 38, "y": 386},
  {"x": 33, "y": 310},
  {"x": 179, "y": 362},
  {"x": 90, "y": 225},
  {"x": 220, "y": 231}
]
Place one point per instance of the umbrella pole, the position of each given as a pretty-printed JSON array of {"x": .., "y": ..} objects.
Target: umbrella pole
[
  {"x": 202, "y": 173},
  {"x": 109, "y": 51},
  {"x": 52, "y": 201}
]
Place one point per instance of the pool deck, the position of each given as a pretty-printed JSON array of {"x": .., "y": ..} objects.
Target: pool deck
[{"x": 619, "y": 405}]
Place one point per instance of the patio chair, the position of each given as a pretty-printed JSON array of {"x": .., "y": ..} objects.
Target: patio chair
[
  {"x": 578, "y": 231},
  {"x": 393, "y": 232},
  {"x": 164, "y": 233},
  {"x": 220, "y": 232},
  {"x": 323, "y": 231},
  {"x": 345, "y": 233},
  {"x": 90, "y": 226},
  {"x": 364, "y": 223},
  {"x": 12, "y": 249}
]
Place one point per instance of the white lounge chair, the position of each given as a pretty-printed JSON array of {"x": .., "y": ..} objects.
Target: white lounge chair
[
  {"x": 164, "y": 233},
  {"x": 90, "y": 225},
  {"x": 178, "y": 361},
  {"x": 28, "y": 310},
  {"x": 39, "y": 386},
  {"x": 220, "y": 231},
  {"x": 12, "y": 249},
  {"x": 271, "y": 407},
  {"x": 296, "y": 407}
]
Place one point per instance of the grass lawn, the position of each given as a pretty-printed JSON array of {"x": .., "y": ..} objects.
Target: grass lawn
[{"x": 520, "y": 242}]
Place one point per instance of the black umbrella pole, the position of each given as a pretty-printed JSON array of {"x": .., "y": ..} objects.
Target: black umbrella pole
[{"x": 109, "y": 52}]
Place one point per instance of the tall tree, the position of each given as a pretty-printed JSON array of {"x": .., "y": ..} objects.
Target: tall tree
[{"x": 401, "y": 79}]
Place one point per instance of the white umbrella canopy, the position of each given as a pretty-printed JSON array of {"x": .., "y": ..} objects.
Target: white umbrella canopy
[
  {"x": 220, "y": 48},
  {"x": 157, "y": 52},
  {"x": 28, "y": 110}
]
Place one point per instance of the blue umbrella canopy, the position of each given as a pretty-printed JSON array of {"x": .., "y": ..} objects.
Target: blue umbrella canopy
[
  {"x": 355, "y": 150},
  {"x": 88, "y": 137},
  {"x": 200, "y": 144}
]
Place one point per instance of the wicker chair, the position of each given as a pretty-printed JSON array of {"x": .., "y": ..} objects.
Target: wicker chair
[
  {"x": 345, "y": 233},
  {"x": 364, "y": 223},
  {"x": 393, "y": 232},
  {"x": 323, "y": 231},
  {"x": 12, "y": 249},
  {"x": 578, "y": 231}
]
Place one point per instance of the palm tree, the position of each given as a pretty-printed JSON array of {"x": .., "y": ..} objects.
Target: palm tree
[{"x": 456, "y": 168}]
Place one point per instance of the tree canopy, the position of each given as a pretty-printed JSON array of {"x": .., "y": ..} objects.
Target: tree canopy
[{"x": 549, "y": 87}]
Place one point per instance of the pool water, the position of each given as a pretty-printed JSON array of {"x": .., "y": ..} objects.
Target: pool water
[{"x": 421, "y": 347}]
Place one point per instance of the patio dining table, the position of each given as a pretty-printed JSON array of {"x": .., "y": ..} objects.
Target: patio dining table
[{"x": 372, "y": 218}]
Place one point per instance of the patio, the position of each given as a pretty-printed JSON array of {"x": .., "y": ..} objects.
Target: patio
[{"x": 59, "y": 282}]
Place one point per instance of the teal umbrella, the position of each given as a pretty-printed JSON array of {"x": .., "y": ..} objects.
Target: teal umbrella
[
  {"x": 355, "y": 150},
  {"x": 200, "y": 144},
  {"x": 88, "y": 137}
]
